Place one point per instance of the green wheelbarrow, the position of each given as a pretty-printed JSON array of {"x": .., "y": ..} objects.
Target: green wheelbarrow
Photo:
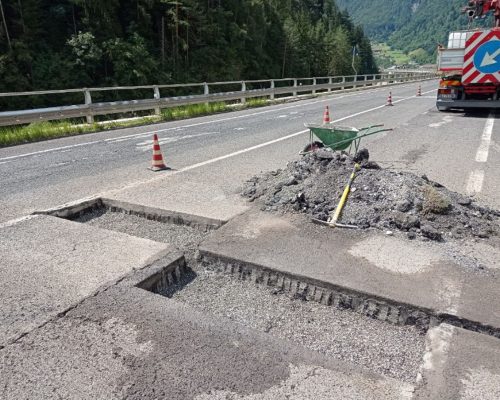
[{"x": 339, "y": 137}]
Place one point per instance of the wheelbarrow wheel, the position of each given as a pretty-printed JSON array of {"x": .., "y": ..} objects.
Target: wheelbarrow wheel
[{"x": 314, "y": 146}]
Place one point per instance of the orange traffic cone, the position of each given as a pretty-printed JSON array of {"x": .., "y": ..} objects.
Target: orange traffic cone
[
  {"x": 419, "y": 91},
  {"x": 157, "y": 163},
  {"x": 389, "y": 100},
  {"x": 326, "y": 116}
]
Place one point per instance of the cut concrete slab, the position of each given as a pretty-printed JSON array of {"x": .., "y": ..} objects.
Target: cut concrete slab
[
  {"x": 50, "y": 264},
  {"x": 218, "y": 200},
  {"x": 130, "y": 343},
  {"x": 420, "y": 275},
  {"x": 459, "y": 365}
]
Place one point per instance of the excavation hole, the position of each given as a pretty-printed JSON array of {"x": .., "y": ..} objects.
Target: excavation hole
[{"x": 391, "y": 350}]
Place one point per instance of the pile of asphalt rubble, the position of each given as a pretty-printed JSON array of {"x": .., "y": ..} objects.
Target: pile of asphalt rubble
[{"x": 380, "y": 198}]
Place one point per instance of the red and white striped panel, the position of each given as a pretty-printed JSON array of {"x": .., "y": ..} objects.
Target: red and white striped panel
[{"x": 470, "y": 73}]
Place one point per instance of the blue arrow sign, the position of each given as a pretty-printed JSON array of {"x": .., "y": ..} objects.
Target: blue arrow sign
[{"x": 487, "y": 57}]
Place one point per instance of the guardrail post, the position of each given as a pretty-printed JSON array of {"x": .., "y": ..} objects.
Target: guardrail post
[
  {"x": 243, "y": 89},
  {"x": 314, "y": 84},
  {"x": 295, "y": 88},
  {"x": 330, "y": 82},
  {"x": 88, "y": 101},
  {"x": 343, "y": 81},
  {"x": 156, "y": 95},
  {"x": 366, "y": 79},
  {"x": 272, "y": 89},
  {"x": 206, "y": 91}
]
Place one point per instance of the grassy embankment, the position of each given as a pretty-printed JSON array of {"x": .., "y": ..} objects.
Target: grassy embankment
[{"x": 38, "y": 131}]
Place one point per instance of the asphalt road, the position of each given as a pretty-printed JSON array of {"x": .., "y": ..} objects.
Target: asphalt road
[{"x": 456, "y": 149}]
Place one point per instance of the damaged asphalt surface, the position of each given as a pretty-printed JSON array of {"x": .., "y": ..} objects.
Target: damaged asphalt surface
[{"x": 216, "y": 337}]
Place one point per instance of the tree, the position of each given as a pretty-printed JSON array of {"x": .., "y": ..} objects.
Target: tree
[
  {"x": 4, "y": 25},
  {"x": 74, "y": 43}
]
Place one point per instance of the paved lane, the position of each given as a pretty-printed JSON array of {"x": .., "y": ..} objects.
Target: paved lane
[{"x": 47, "y": 174}]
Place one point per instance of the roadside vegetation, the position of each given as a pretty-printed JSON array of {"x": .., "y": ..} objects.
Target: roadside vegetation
[
  {"x": 387, "y": 57},
  {"x": 38, "y": 131},
  {"x": 60, "y": 44}
]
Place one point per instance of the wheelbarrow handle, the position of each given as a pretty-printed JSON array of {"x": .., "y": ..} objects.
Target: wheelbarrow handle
[
  {"x": 373, "y": 133},
  {"x": 370, "y": 127}
]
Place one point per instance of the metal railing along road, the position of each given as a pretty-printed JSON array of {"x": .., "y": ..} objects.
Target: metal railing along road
[{"x": 270, "y": 88}]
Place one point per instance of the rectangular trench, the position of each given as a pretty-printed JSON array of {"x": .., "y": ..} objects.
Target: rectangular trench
[
  {"x": 388, "y": 349},
  {"x": 378, "y": 335}
]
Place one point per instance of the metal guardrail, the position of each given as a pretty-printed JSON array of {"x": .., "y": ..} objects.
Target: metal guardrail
[{"x": 294, "y": 88}]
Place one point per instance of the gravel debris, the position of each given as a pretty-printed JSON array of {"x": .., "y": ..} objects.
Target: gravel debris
[
  {"x": 393, "y": 351},
  {"x": 380, "y": 198},
  {"x": 180, "y": 236}
]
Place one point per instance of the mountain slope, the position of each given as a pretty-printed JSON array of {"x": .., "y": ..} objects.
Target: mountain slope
[{"x": 408, "y": 24}]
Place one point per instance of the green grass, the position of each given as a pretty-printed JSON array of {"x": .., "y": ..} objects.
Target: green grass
[
  {"x": 193, "y": 110},
  {"x": 386, "y": 57},
  {"x": 256, "y": 102},
  {"x": 38, "y": 131}
]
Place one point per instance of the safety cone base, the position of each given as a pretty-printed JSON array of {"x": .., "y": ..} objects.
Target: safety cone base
[{"x": 159, "y": 168}]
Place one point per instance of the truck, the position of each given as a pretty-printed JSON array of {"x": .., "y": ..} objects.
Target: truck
[{"x": 470, "y": 64}]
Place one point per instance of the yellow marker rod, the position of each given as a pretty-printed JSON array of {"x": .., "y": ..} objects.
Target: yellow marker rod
[{"x": 343, "y": 199}]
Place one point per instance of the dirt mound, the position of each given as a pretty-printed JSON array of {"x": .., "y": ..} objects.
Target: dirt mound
[{"x": 379, "y": 198}]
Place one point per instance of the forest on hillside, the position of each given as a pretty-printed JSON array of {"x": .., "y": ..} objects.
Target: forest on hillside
[
  {"x": 409, "y": 25},
  {"x": 49, "y": 44}
]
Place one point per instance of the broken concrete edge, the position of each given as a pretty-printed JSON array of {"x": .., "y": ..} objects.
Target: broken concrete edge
[
  {"x": 16, "y": 221},
  {"x": 160, "y": 260},
  {"x": 165, "y": 216},
  {"x": 329, "y": 294},
  {"x": 81, "y": 207},
  {"x": 159, "y": 274},
  {"x": 68, "y": 210},
  {"x": 322, "y": 292}
]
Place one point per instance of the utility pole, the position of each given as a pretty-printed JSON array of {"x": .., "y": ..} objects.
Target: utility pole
[
  {"x": 354, "y": 54},
  {"x": 5, "y": 26}
]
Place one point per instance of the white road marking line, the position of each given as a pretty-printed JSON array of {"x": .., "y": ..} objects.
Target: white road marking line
[
  {"x": 50, "y": 150},
  {"x": 446, "y": 120},
  {"x": 248, "y": 149},
  {"x": 484, "y": 147},
  {"x": 146, "y": 145},
  {"x": 475, "y": 182},
  {"x": 134, "y": 136},
  {"x": 437, "y": 345},
  {"x": 5, "y": 162},
  {"x": 237, "y": 153}
]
